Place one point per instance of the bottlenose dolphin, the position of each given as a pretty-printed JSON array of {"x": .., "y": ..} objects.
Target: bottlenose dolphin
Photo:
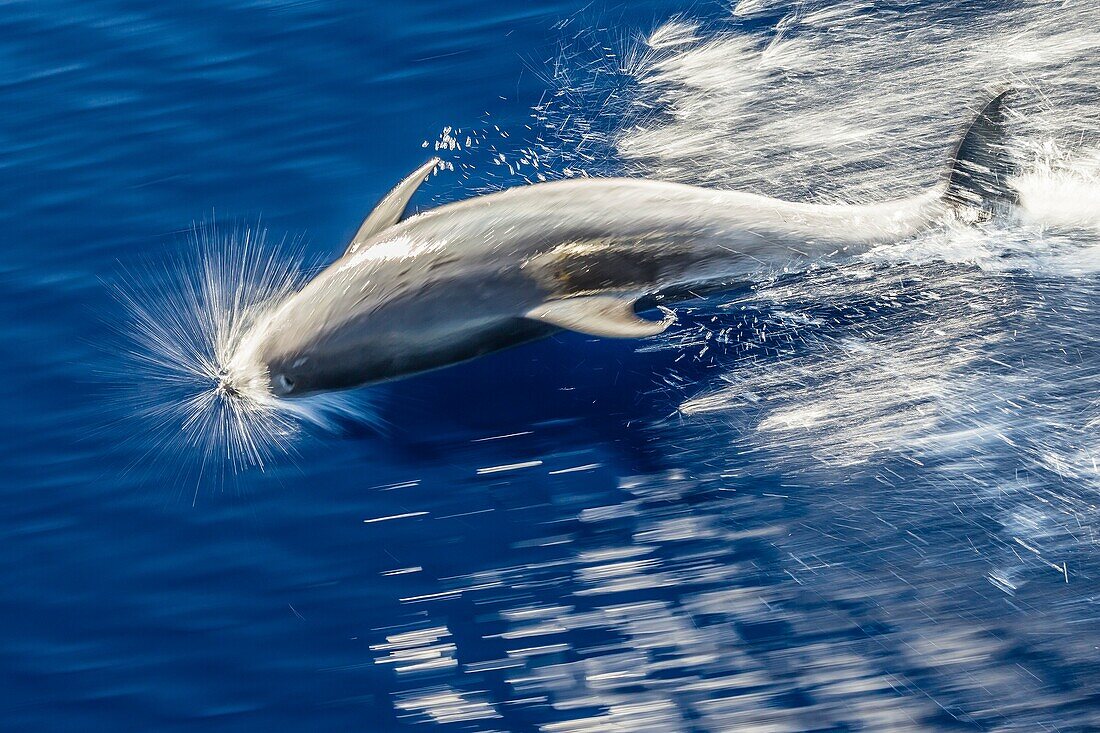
[{"x": 479, "y": 275}]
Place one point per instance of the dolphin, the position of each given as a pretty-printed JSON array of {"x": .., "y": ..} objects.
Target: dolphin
[{"x": 472, "y": 277}]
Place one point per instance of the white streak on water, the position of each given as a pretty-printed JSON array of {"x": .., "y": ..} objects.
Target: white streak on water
[
  {"x": 406, "y": 515},
  {"x": 508, "y": 467}
]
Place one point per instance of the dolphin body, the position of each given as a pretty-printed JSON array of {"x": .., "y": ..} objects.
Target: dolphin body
[{"x": 480, "y": 275}]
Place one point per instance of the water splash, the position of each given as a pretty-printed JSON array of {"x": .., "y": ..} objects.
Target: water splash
[
  {"x": 953, "y": 350},
  {"x": 177, "y": 377}
]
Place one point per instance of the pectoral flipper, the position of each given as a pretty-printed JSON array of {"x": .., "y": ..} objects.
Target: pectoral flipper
[{"x": 607, "y": 316}]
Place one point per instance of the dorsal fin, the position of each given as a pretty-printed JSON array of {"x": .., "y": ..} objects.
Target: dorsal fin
[
  {"x": 389, "y": 210},
  {"x": 609, "y": 316},
  {"x": 978, "y": 183}
]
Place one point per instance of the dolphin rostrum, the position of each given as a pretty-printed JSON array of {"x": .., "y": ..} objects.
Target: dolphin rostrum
[{"x": 475, "y": 276}]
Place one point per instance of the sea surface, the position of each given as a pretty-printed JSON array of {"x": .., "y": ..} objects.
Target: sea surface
[{"x": 854, "y": 497}]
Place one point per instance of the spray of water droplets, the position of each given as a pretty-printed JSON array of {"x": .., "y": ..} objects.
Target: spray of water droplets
[{"x": 186, "y": 318}]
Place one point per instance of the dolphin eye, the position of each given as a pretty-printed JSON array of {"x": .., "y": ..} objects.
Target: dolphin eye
[{"x": 284, "y": 383}]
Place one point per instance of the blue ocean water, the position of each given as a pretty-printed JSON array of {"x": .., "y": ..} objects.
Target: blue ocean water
[{"x": 575, "y": 535}]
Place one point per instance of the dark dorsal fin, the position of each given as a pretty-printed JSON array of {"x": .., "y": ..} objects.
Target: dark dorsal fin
[{"x": 978, "y": 183}]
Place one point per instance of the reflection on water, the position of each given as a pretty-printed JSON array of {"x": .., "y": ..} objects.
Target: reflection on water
[{"x": 856, "y": 530}]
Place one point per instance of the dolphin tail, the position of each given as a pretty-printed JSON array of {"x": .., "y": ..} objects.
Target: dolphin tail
[{"x": 978, "y": 183}]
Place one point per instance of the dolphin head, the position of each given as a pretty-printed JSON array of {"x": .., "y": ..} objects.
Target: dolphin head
[
  {"x": 287, "y": 367},
  {"x": 328, "y": 336},
  {"x": 285, "y": 358}
]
